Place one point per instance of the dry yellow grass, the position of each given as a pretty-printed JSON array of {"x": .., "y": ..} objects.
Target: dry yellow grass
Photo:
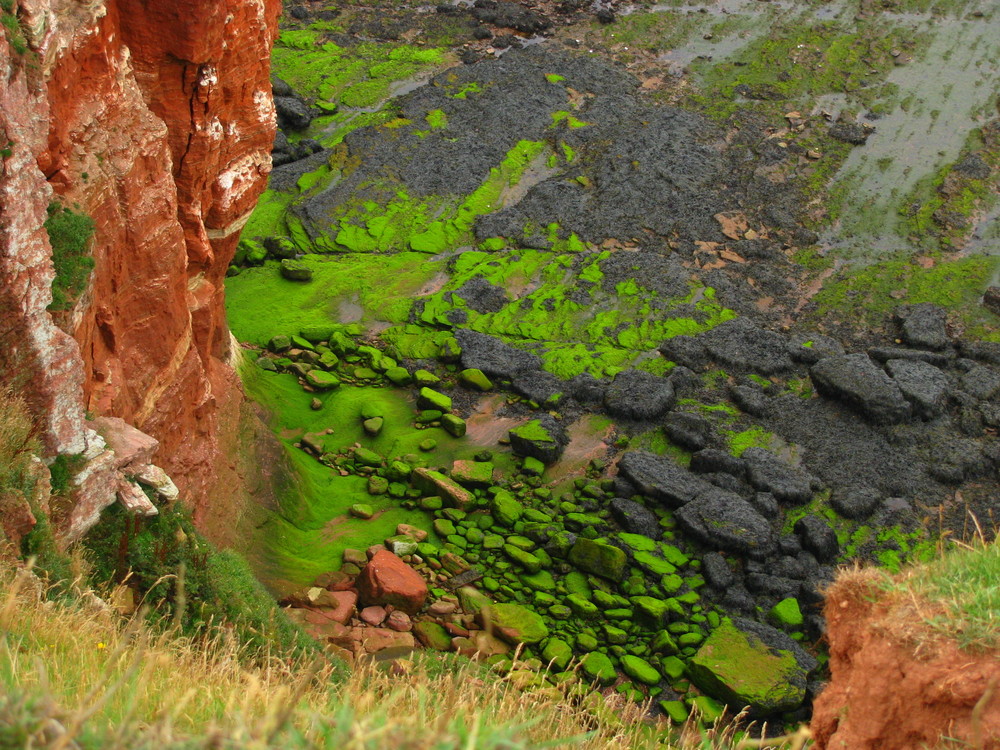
[{"x": 74, "y": 674}]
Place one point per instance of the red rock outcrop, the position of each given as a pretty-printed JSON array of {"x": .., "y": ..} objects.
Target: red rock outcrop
[
  {"x": 155, "y": 118},
  {"x": 386, "y": 579},
  {"x": 885, "y": 693}
]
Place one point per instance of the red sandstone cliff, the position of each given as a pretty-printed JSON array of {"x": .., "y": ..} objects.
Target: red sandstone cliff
[
  {"x": 894, "y": 686},
  {"x": 155, "y": 116}
]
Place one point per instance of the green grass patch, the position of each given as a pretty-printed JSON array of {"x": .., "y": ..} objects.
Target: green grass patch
[{"x": 69, "y": 234}]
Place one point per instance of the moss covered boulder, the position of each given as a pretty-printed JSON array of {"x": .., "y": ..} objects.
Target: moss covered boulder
[
  {"x": 543, "y": 439},
  {"x": 322, "y": 380},
  {"x": 739, "y": 668},
  {"x": 513, "y": 623},
  {"x": 295, "y": 270},
  {"x": 598, "y": 558},
  {"x": 436, "y": 483},
  {"x": 598, "y": 667}
]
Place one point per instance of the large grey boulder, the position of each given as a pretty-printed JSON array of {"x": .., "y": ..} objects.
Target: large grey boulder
[{"x": 860, "y": 383}]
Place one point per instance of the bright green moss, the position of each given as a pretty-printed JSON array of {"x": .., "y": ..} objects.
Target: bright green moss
[
  {"x": 755, "y": 437},
  {"x": 437, "y": 119}
]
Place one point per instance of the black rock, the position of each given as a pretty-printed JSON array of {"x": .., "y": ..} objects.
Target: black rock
[
  {"x": 636, "y": 518},
  {"x": 738, "y": 599},
  {"x": 780, "y": 641},
  {"x": 687, "y": 351},
  {"x": 511, "y": 16},
  {"x": 538, "y": 386},
  {"x": 772, "y": 585},
  {"x": 716, "y": 570},
  {"x": 292, "y": 113},
  {"x": 849, "y": 132},
  {"x": 856, "y": 380},
  {"x": 924, "y": 326},
  {"x": 280, "y": 87},
  {"x": 855, "y": 502},
  {"x": 491, "y": 355},
  {"x": 660, "y": 478},
  {"x": 768, "y": 473},
  {"x": 547, "y": 451},
  {"x": 298, "y": 12},
  {"x": 636, "y": 394},
  {"x": 742, "y": 345},
  {"x": 750, "y": 399},
  {"x": 280, "y": 142},
  {"x": 587, "y": 389},
  {"x": 689, "y": 431},
  {"x": 818, "y": 538},
  {"x": 923, "y": 385},
  {"x": 811, "y": 349},
  {"x": 766, "y": 504},
  {"x": 885, "y": 353},
  {"x": 981, "y": 382},
  {"x": 789, "y": 545},
  {"x": 724, "y": 520},
  {"x": 709, "y": 461},
  {"x": 727, "y": 482}
]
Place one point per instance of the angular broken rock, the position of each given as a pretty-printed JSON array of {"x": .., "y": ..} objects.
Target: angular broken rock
[
  {"x": 856, "y": 380},
  {"x": 388, "y": 580}
]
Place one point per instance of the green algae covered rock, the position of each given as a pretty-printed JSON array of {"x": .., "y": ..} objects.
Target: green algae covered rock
[
  {"x": 432, "y": 635},
  {"x": 513, "y": 623},
  {"x": 398, "y": 376},
  {"x": 597, "y": 666},
  {"x": 475, "y": 379},
  {"x": 296, "y": 270},
  {"x": 538, "y": 439},
  {"x": 676, "y": 711},
  {"x": 454, "y": 426},
  {"x": 557, "y": 653},
  {"x": 598, "y": 558},
  {"x": 640, "y": 670},
  {"x": 322, "y": 380},
  {"x": 786, "y": 614},
  {"x": 526, "y": 560},
  {"x": 366, "y": 457},
  {"x": 436, "y": 483},
  {"x": 431, "y": 399},
  {"x": 506, "y": 508},
  {"x": 739, "y": 668}
]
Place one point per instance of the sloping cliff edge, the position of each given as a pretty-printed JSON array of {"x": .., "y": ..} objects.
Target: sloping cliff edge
[
  {"x": 155, "y": 118},
  {"x": 893, "y": 687}
]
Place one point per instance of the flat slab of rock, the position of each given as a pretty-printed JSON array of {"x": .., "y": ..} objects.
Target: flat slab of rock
[
  {"x": 768, "y": 473},
  {"x": 723, "y": 519},
  {"x": 492, "y": 356},
  {"x": 741, "y": 344},
  {"x": 513, "y": 623},
  {"x": 661, "y": 478},
  {"x": 859, "y": 382},
  {"x": 923, "y": 385},
  {"x": 388, "y": 580},
  {"x": 640, "y": 395},
  {"x": 436, "y": 483},
  {"x": 738, "y": 667}
]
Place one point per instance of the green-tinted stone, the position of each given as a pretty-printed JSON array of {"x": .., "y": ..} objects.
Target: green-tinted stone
[
  {"x": 598, "y": 558},
  {"x": 557, "y": 653},
  {"x": 296, "y": 270},
  {"x": 432, "y": 635},
  {"x": 664, "y": 643},
  {"x": 427, "y": 445},
  {"x": 364, "y": 373},
  {"x": 366, "y": 457},
  {"x": 786, "y": 614},
  {"x": 619, "y": 613},
  {"x": 740, "y": 669},
  {"x": 672, "y": 667},
  {"x": 506, "y": 508},
  {"x": 676, "y": 711},
  {"x": 426, "y": 549},
  {"x": 560, "y": 612},
  {"x": 377, "y": 485},
  {"x": 428, "y": 398},
  {"x": 576, "y": 583},
  {"x": 362, "y": 510},
  {"x": 425, "y": 377},
  {"x": 640, "y": 670},
  {"x": 650, "y": 608},
  {"x": 525, "y": 559},
  {"x": 474, "y": 473},
  {"x": 475, "y": 379},
  {"x": 652, "y": 563},
  {"x": 444, "y": 527},
  {"x": 279, "y": 343},
  {"x": 671, "y": 583},
  {"x": 514, "y": 623},
  {"x": 638, "y": 542},
  {"x": 532, "y": 466},
  {"x": 689, "y": 639},
  {"x": 431, "y": 503},
  {"x": 582, "y": 606},
  {"x": 373, "y": 426},
  {"x": 673, "y": 555},
  {"x": 322, "y": 380},
  {"x": 521, "y": 542},
  {"x": 454, "y": 426},
  {"x": 540, "y": 581},
  {"x": 436, "y": 483},
  {"x": 708, "y": 708},
  {"x": 398, "y": 470},
  {"x": 401, "y": 545},
  {"x": 493, "y": 541},
  {"x": 475, "y": 535},
  {"x": 586, "y": 642},
  {"x": 472, "y": 600},
  {"x": 398, "y": 376},
  {"x": 428, "y": 416},
  {"x": 615, "y": 635},
  {"x": 598, "y": 667}
]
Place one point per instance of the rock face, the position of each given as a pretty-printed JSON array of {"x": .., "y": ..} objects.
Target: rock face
[
  {"x": 909, "y": 699},
  {"x": 154, "y": 118}
]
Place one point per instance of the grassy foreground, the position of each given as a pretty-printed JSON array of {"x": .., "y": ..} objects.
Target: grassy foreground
[{"x": 73, "y": 673}]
